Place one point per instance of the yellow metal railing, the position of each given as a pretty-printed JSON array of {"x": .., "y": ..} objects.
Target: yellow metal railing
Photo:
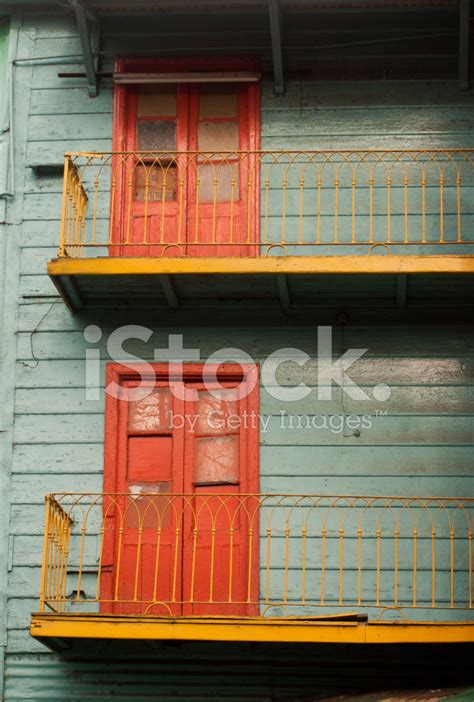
[
  {"x": 267, "y": 203},
  {"x": 258, "y": 555},
  {"x": 57, "y": 532},
  {"x": 73, "y": 212}
]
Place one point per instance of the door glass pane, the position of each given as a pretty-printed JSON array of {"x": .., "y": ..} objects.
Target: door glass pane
[
  {"x": 216, "y": 460},
  {"x": 217, "y": 415},
  {"x": 218, "y": 136},
  {"x": 220, "y": 180},
  {"x": 156, "y": 135},
  {"x": 156, "y": 101},
  {"x": 217, "y": 101},
  {"x": 153, "y": 413},
  {"x": 162, "y": 180}
]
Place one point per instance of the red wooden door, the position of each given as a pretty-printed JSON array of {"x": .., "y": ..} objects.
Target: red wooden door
[
  {"x": 223, "y": 178},
  {"x": 220, "y": 539},
  {"x": 183, "y": 537},
  {"x": 151, "y": 178},
  {"x": 186, "y": 184}
]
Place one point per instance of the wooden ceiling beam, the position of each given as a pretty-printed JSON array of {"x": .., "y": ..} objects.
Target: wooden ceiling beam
[
  {"x": 89, "y": 37},
  {"x": 276, "y": 26}
]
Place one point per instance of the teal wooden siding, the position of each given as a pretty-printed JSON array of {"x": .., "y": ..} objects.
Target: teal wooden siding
[
  {"x": 424, "y": 446},
  {"x": 4, "y": 34},
  {"x": 199, "y": 672}
]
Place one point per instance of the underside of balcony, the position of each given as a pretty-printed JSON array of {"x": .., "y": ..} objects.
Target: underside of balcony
[{"x": 276, "y": 287}]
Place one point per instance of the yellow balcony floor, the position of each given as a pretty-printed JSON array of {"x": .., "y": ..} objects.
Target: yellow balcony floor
[{"x": 57, "y": 631}]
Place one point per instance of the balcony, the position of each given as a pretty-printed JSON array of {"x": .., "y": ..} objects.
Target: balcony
[
  {"x": 176, "y": 229},
  {"x": 260, "y": 567}
]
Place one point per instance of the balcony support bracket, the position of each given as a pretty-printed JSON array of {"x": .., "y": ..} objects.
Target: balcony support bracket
[
  {"x": 69, "y": 291},
  {"x": 169, "y": 291},
  {"x": 283, "y": 292},
  {"x": 402, "y": 290},
  {"x": 89, "y": 31},
  {"x": 276, "y": 28},
  {"x": 464, "y": 44}
]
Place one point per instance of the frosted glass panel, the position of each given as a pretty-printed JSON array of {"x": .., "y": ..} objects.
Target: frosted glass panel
[
  {"x": 216, "y": 460},
  {"x": 161, "y": 183},
  {"x": 152, "y": 413},
  {"x": 156, "y": 135},
  {"x": 220, "y": 180},
  {"x": 216, "y": 414},
  {"x": 217, "y": 102},
  {"x": 218, "y": 136},
  {"x": 156, "y": 101}
]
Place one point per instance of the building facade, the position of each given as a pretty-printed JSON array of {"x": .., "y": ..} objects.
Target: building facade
[{"x": 237, "y": 349}]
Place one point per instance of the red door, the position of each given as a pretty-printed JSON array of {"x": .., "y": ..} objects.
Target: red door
[
  {"x": 223, "y": 176},
  {"x": 152, "y": 178},
  {"x": 183, "y": 536},
  {"x": 185, "y": 182}
]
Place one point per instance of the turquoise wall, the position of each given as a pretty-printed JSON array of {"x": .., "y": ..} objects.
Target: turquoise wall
[
  {"x": 424, "y": 446},
  {"x": 4, "y": 33}
]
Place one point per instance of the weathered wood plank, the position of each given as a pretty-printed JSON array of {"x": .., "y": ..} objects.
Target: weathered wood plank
[
  {"x": 274, "y": 460},
  {"x": 70, "y": 101},
  {"x": 20, "y": 642},
  {"x": 45, "y": 153},
  {"x": 385, "y": 342},
  {"x": 66, "y": 44},
  {"x": 373, "y": 486},
  {"x": 45, "y": 76},
  {"x": 374, "y": 141},
  {"x": 287, "y": 429},
  {"x": 365, "y": 461},
  {"x": 361, "y": 122},
  {"x": 370, "y": 94},
  {"x": 47, "y": 206},
  {"x": 45, "y": 429},
  {"x": 37, "y": 286},
  {"x": 33, "y": 261},
  {"x": 51, "y": 25},
  {"x": 22, "y": 492},
  {"x": 367, "y": 430},
  {"x": 403, "y": 400},
  {"x": 65, "y": 458},
  {"x": 59, "y": 318},
  {"x": 444, "y": 371},
  {"x": 72, "y": 127}
]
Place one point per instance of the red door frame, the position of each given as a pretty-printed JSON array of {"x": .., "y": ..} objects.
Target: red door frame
[
  {"x": 120, "y": 127},
  {"x": 115, "y": 453}
]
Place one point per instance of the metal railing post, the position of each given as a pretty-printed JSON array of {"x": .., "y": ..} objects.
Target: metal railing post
[
  {"x": 62, "y": 231},
  {"x": 44, "y": 565}
]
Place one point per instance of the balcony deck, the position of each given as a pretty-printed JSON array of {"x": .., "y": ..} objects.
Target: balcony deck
[
  {"x": 312, "y": 569},
  {"x": 162, "y": 228},
  {"x": 58, "y": 632}
]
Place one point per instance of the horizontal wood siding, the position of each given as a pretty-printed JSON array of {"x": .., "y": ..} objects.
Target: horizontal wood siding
[
  {"x": 424, "y": 445},
  {"x": 201, "y": 672}
]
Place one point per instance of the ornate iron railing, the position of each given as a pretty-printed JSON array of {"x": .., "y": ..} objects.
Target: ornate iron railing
[
  {"x": 268, "y": 203},
  {"x": 258, "y": 555}
]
